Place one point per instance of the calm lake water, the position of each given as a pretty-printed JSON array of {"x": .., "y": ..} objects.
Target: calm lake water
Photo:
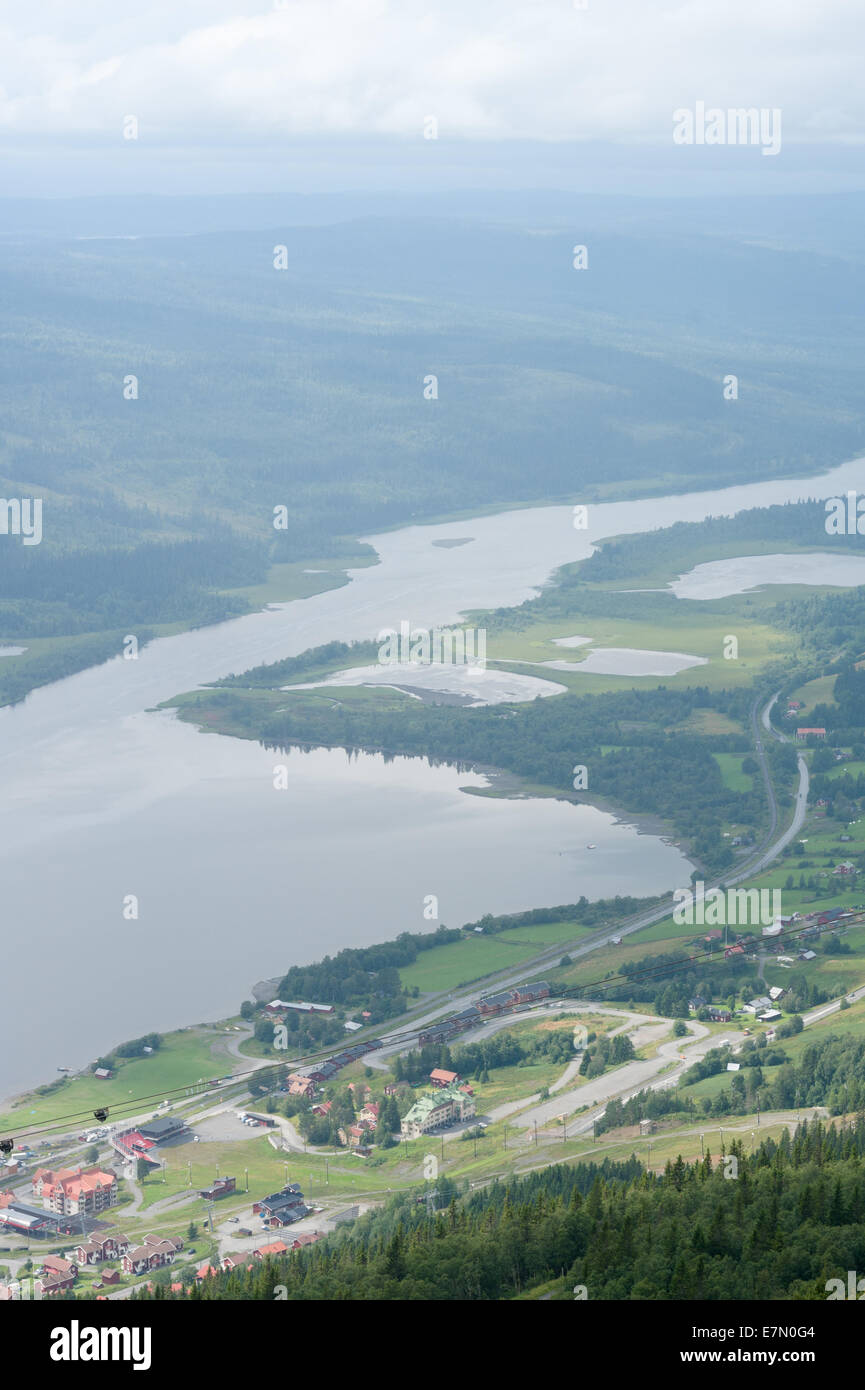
[
  {"x": 739, "y": 573},
  {"x": 236, "y": 880},
  {"x": 629, "y": 661}
]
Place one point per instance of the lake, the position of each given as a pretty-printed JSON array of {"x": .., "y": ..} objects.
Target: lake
[
  {"x": 739, "y": 573},
  {"x": 235, "y": 880}
]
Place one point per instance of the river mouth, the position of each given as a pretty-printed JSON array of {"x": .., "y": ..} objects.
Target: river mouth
[{"x": 235, "y": 880}]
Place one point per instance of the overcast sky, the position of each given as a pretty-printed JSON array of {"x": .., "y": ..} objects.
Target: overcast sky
[{"x": 217, "y": 85}]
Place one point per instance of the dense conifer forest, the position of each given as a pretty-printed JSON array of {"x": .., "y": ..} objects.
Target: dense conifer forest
[{"x": 775, "y": 1224}]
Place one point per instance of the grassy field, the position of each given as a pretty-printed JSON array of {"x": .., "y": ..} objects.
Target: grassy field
[
  {"x": 702, "y": 551},
  {"x": 303, "y": 578},
  {"x": 461, "y": 962},
  {"x": 731, "y": 771},
  {"x": 816, "y": 692},
  {"x": 709, "y": 721},
  {"x": 853, "y": 766},
  {"x": 182, "y": 1060},
  {"x": 696, "y": 629}
]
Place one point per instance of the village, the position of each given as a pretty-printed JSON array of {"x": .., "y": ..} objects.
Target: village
[
  {"x": 253, "y": 1166},
  {"x": 70, "y": 1222}
]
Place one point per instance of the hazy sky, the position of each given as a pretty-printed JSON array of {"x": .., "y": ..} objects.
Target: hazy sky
[{"x": 225, "y": 85}]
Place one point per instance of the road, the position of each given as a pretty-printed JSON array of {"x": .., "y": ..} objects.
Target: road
[
  {"x": 754, "y": 864},
  {"x": 801, "y": 807},
  {"x": 832, "y": 1008},
  {"x": 621, "y": 1083},
  {"x": 446, "y": 1002},
  {"x": 403, "y": 1036}
]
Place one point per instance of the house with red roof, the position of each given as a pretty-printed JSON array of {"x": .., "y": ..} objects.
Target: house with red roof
[
  {"x": 52, "y": 1284},
  {"x": 154, "y": 1252},
  {"x": 440, "y": 1078},
  {"x": 109, "y": 1245},
  {"x": 276, "y": 1247},
  {"x": 56, "y": 1265},
  {"x": 71, "y": 1191},
  {"x": 132, "y": 1145},
  {"x": 356, "y": 1136},
  {"x": 298, "y": 1085},
  {"x": 305, "y": 1238}
]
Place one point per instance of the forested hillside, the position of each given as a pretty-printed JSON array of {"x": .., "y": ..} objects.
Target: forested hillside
[
  {"x": 305, "y": 386},
  {"x": 624, "y": 737},
  {"x": 394, "y": 370},
  {"x": 773, "y": 1225}
]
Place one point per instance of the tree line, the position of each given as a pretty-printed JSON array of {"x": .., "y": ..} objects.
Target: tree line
[{"x": 775, "y": 1224}]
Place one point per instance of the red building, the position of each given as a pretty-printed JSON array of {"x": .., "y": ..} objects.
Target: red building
[
  {"x": 153, "y": 1253},
  {"x": 220, "y": 1188},
  {"x": 440, "y": 1078},
  {"x": 109, "y": 1246},
  {"x": 70, "y": 1191}
]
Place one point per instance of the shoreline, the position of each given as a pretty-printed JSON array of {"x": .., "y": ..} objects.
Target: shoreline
[
  {"x": 632, "y": 490},
  {"x": 503, "y": 785}
]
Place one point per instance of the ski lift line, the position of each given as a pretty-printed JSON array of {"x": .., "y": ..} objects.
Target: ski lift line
[
  {"x": 179, "y": 1092},
  {"x": 407, "y": 1034}
]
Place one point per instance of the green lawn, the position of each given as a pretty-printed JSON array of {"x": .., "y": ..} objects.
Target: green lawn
[
  {"x": 461, "y": 962},
  {"x": 710, "y": 1086},
  {"x": 695, "y": 629},
  {"x": 731, "y": 771},
  {"x": 853, "y": 766},
  {"x": 303, "y": 578},
  {"x": 182, "y": 1059},
  {"x": 816, "y": 692}
]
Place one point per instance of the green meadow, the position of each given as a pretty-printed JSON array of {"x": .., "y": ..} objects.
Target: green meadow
[
  {"x": 462, "y": 962},
  {"x": 688, "y": 627},
  {"x": 731, "y": 771},
  {"x": 184, "y": 1058}
]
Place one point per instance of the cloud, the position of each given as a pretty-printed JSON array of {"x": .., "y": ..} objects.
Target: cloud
[{"x": 497, "y": 69}]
